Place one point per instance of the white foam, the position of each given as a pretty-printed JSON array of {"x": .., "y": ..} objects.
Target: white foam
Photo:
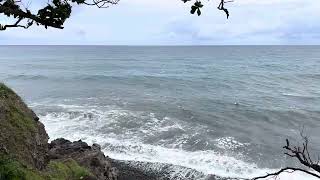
[
  {"x": 85, "y": 122},
  {"x": 229, "y": 143}
]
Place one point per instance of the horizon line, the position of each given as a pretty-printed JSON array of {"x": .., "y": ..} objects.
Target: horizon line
[{"x": 155, "y": 45}]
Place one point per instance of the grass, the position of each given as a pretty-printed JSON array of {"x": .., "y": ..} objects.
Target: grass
[
  {"x": 68, "y": 169},
  {"x": 11, "y": 169},
  {"x": 5, "y": 91},
  {"x": 18, "y": 130}
]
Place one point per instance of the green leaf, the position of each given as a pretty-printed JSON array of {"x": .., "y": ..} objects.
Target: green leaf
[
  {"x": 199, "y": 12},
  {"x": 198, "y": 4},
  {"x": 193, "y": 9}
]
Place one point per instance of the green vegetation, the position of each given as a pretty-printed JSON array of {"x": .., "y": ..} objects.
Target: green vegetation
[
  {"x": 15, "y": 118},
  {"x": 68, "y": 169},
  {"x": 4, "y": 91},
  {"x": 19, "y": 122},
  {"x": 11, "y": 169},
  {"x": 24, "y": 145}
]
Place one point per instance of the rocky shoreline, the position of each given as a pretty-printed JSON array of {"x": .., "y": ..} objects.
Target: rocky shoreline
[
  {"x": 92, "y": 158},
  {"x": 136, "y": 170},
  {"x": 25, "y": 153}
]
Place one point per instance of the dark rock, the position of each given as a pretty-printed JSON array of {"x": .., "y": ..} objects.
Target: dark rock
[
  {"x": 137, "y": 170},
  {"x": 214, "y": 177},
  {"x": 133, "y": 173},
  {"x": 90, "y": 157}
]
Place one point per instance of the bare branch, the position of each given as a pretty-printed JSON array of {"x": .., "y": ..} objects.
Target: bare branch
[
  {"x": 222, "y": 8},
  {"x": 302, "y": 154},
  {"x": 288, "y": 170},
  {"x": 16, "y": 24},
  {"x": 102, "y": 3}
]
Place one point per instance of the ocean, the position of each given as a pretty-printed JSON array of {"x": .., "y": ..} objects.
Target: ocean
[{"x": 222, "y": 110}]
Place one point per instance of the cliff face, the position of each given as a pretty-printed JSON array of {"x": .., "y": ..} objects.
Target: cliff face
[
  {"x": 26, "y": 154},
  {"x": 21, "y": 134}
]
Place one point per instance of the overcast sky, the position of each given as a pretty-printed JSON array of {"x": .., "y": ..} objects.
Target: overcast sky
[{"x": 168, "y": 22}]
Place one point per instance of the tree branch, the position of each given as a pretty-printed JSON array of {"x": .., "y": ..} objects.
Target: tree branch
[
  {"x": 303, "y": 156},
  {"x": 222, "y": 8},
  {"x": 102, "y": 3},
  {"x": 197, "y": 5},
  {"x": 53, "y": 15},
  {"x": 22, "y": 14},
  {"x": 57, "y": 11},
  {"x": 286, "y": 170}
]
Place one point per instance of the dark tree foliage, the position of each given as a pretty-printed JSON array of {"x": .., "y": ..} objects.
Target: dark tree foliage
[
  {"x": 53, "y": 15},
  {"x": 197, "y": 5},
  {"x": 58, "y": 11}
]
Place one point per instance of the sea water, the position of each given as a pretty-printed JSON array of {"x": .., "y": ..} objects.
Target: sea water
[{"x": 223, "y": 110}]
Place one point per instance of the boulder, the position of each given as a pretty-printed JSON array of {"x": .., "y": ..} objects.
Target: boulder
[{"x": 90, "y": 157}]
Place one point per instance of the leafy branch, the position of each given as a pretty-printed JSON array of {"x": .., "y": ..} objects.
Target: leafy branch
[
  {"x": 53, "y": 15},
  {"x": 197, "y": 5},
  {"x": 56, "y": 12}
]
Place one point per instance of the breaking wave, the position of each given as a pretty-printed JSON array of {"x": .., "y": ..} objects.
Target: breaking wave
[{"x": 139, "y": 138}]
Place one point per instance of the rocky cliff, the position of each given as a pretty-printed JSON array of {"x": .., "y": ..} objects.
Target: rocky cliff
[{"x": 26, "y": 154}]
